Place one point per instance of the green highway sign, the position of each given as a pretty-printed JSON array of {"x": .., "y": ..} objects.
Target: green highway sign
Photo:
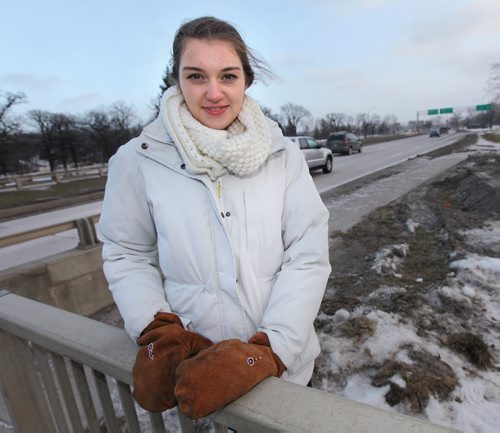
[
  {"x": 483, "y": 107},
  {"x": 445, "y": 110},
  {"x": 433, "y": 111}
]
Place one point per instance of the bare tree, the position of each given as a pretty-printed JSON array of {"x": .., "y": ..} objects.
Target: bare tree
[
  {"x": 349, "y": 123},
  {"x": 45, "y": 121},
  {"x": 336, "y": 120},
  {"x": 269, "y": 113},
  {"x": 373, "y": 124},
  {"x": 294, "y": 116},
  {"x": 110, "y": 128},
  {"x": 97, "y": 123},
  {"x": 9, "y": 129},
  {"x": 68, "y": 138},
  {"x": 363, "y": 123},
  {"x": 11, "y": 99},
  {"x": 455, "y": 119},
  {"x": 125, "y": 121},
  {"x": 332, "y": 122},
  {"x": 391, "y": 121}
]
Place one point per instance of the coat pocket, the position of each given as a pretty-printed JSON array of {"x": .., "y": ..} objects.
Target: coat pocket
[{"x": 194, "y": 303}]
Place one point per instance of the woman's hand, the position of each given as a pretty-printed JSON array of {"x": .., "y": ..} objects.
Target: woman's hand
[
  {"x": 165, "y": 344},
  {"x": 224, "y": 372}
]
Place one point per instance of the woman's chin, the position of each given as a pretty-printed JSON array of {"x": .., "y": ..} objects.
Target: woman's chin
[{"x": 216, "y": 122}]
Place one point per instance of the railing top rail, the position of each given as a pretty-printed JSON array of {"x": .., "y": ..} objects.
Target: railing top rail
[
  {"x": 272, "y": 406},
  {"x": 35, "y": 174},
  {"x": 278, "y": 406},
  {"x": 103, "y": 347},
  {"x": 41, "y": 232}
]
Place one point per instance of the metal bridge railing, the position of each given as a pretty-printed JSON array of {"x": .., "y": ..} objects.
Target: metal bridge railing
[{"x": 64, "y": 373}]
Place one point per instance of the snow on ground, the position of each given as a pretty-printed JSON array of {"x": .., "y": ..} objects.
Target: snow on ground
[
  {"x": 474, "y": 405},
  {"x": 483, "y": 144}
]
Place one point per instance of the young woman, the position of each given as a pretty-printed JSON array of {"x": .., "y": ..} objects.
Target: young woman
[{"x": 215, "y": 237}]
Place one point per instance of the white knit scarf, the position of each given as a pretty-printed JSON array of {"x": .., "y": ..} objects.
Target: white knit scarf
[{"x": 240, "y": 149}]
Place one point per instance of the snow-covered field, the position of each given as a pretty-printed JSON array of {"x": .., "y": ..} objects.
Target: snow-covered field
[
  {"x": 474, "y": 405},
  {"x": 436, "y": 355}
]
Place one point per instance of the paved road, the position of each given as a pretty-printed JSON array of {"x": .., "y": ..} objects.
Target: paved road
[
  {"x": 346, "y": 168},
  {"x": 43, "y": 247},
  {"x": 377, "y": 157}
]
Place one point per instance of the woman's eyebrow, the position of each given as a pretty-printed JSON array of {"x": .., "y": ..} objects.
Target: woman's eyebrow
[{"x": 196, "y": 68}]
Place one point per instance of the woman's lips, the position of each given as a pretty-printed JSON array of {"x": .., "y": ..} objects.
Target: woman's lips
[{"x": 215, "y": 111}]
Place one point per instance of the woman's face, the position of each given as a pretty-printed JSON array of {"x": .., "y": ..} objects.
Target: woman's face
[{"x": 212, "y": 81}]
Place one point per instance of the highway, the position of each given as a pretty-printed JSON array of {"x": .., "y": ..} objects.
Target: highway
[
  {"x": 345, "y": 169},
  {"x": 377, "y": 157}
]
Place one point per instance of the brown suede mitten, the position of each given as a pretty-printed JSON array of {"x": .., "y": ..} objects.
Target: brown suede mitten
[
  {"x": 262, "y": 339},
  {"x": 221, "y": 374},
  {"x": 165, "y": 343}
]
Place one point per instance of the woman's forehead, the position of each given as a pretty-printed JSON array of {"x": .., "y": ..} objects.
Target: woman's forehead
[{"x": 209, "y": 51}]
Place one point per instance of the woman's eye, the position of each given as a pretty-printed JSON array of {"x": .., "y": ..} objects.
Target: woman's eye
[
  {"x": 229, "y": 77},
  {"x": 194, "y": 77}
]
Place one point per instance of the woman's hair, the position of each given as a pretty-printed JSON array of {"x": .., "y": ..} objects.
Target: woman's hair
[{"x": 211, "y": 28}]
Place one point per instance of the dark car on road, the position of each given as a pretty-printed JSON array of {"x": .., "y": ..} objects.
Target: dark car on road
[
  {"x": 434, "y": 132},
  {"x": 344, "y": 142}
]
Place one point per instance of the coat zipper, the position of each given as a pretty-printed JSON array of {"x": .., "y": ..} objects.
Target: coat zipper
[{"x": 219, "y": 188}]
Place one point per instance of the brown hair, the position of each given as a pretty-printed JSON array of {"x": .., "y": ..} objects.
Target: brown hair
[{"x": 211, "y": 28}]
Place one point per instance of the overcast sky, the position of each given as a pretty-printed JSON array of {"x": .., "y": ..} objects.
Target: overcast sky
[{"x": 373, "y": 56}]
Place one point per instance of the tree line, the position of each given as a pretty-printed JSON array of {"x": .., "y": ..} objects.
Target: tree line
[
  {"x": 68, "y": 140},
  {"x": 62, "y": 139}
]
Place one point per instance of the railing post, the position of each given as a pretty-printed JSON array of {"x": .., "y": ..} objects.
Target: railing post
[
  {"x": 19, "y": 182},
  {"x": 56, "y": 177},
  {"x": 21, "y": 387},
  {"x": 86, "y": 233}
]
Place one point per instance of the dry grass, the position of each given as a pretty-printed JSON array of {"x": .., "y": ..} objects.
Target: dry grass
[
  {"x": 9, "y": 199},
  {"x": 492, "y": 137},
  {"x": 472, "y": 347},
  {"x": 427, "y": 376}
]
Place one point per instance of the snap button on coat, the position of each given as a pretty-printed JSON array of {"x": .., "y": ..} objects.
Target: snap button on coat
[
  {"x": 222, "y": 214},
  {"x": 228, "y": 214},
  {"x": 144, "y": 145},
  {"x": 183, "y": 166}
]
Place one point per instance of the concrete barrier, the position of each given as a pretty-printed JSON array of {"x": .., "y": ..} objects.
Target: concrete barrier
[{"x": 73, "y": 281}]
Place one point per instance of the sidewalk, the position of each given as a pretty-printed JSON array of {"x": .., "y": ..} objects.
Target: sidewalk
[{"x": 350, "y": 204}]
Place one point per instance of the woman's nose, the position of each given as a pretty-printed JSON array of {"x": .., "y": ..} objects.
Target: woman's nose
[{"x": 214, "y": 91}]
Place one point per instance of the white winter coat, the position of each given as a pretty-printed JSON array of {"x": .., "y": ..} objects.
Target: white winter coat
[{"x": 255, "y": 259}]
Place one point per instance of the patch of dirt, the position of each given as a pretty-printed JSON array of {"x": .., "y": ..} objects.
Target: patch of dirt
[
  {"x": 357, "y": 327},
  {"x": 409, "y": 245},
  {"x": 426, "y": 376},
  {"x": 473, "y": 347}
]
